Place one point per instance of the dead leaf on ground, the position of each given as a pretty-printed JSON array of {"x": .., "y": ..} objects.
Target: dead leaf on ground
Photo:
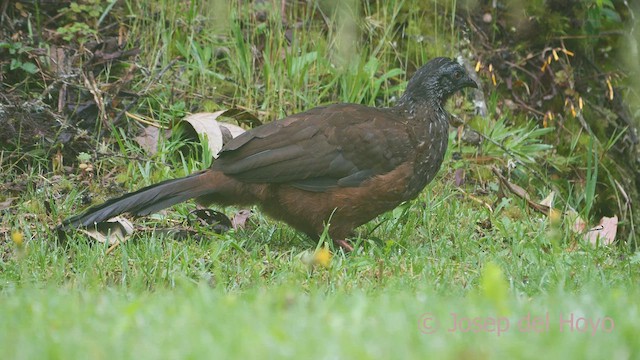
[
  {"x": 113, "y": 231},
  {"x": 205, "y": 124},
  {"x": 211, "y": 218},
  {"x": 242, "y": 117},
  {"x": 459, "y": 177},
  {"x": 578, "y": 225},
  {"x": 216, "y": 132},
  {"x": 548, "y": 201},
  {"x": 234, "y": 130},
  {"x": 148, "y": 140},
  {"x": 219, "y": 221},
  {"x": 555, "y": 215},
  {"x": 604, "y": 233},
  {"x": 239, "y": 220}
]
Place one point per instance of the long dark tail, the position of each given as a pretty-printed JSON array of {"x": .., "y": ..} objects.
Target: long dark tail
[{"x": 146, "y": 200}]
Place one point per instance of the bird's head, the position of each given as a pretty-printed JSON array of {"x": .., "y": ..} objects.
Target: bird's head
[{"x": 437, "y": 81}]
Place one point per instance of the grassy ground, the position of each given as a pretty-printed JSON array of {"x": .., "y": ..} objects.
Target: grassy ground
[{"x": 440, "y": 277}]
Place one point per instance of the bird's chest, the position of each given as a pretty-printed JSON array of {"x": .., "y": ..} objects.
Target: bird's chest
[{"x": 432, "y": 141}]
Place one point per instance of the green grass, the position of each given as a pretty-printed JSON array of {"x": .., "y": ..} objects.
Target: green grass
[
  {"x": 251, "y": 293},
  {"x": 193, "y": 321}
]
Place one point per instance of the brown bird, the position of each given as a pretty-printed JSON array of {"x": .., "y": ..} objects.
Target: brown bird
[{"x": 340, "y": 165}]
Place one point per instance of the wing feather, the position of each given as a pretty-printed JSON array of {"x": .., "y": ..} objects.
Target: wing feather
[{"x": 326, "y": 147}]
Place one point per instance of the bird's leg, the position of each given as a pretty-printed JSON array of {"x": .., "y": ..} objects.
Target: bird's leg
[{"x": 344, "y": 245}]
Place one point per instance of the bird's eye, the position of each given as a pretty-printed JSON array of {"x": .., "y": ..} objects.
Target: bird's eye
[{"x": 457, "y": 75}]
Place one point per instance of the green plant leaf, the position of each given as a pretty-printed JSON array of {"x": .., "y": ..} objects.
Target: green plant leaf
[
  {"x": 31, "y": 68},
  {"x": 15, "y": 63},
  {"x": 611, "y": 14}
]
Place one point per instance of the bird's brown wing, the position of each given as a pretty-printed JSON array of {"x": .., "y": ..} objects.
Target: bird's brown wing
[{"x": 326, "y": 147}]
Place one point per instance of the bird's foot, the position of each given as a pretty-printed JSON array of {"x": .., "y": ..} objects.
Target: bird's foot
[{"x": 344, "y": 245}]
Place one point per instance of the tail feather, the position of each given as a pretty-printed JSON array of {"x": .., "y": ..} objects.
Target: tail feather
[{"x": 144, "y": 201}]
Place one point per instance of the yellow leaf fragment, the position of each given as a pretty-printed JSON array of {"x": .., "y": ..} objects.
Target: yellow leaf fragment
[
  {"x": 604, "y": 233},
  {"x": 569, "y": 53},
  {"x": 543, "y": 67}
]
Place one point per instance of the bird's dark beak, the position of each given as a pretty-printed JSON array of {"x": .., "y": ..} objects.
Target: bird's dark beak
[{"x": 468, "y": 82}]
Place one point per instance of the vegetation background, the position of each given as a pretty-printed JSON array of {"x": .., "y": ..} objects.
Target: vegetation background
[{"x": 479, "y": 252}]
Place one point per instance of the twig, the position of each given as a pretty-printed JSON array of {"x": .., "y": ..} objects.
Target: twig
[
  {"x": 478, "y": 200},
  {"x": 91, "y": 85},
  {"x": 520, "y": 192},
  {"x": 112, "y": 247},
  {"x": 145, "y": 121}
]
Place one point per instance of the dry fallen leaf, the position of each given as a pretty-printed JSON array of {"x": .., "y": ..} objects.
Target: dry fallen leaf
[
  {"x": 604, "y": 233},
  {"x": 548, "y": 201},
  {"x": 218, "y": 221},
  {"x": 239, "y": 220},
  {"x": 207, "y": 125},
  {"x": 114, "y": 231},
  {"x": 242, "y": 117},
  {"x": 204, "y": 124},
  {"x": 578, "y": 224},
  {"x": 459, "y": 177},
  {"x": 555, "y": 216},
  {"x": 149, "y": 139},
  {"x": 235, "y": 130},
  {"x": 217, "y": 133}
]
